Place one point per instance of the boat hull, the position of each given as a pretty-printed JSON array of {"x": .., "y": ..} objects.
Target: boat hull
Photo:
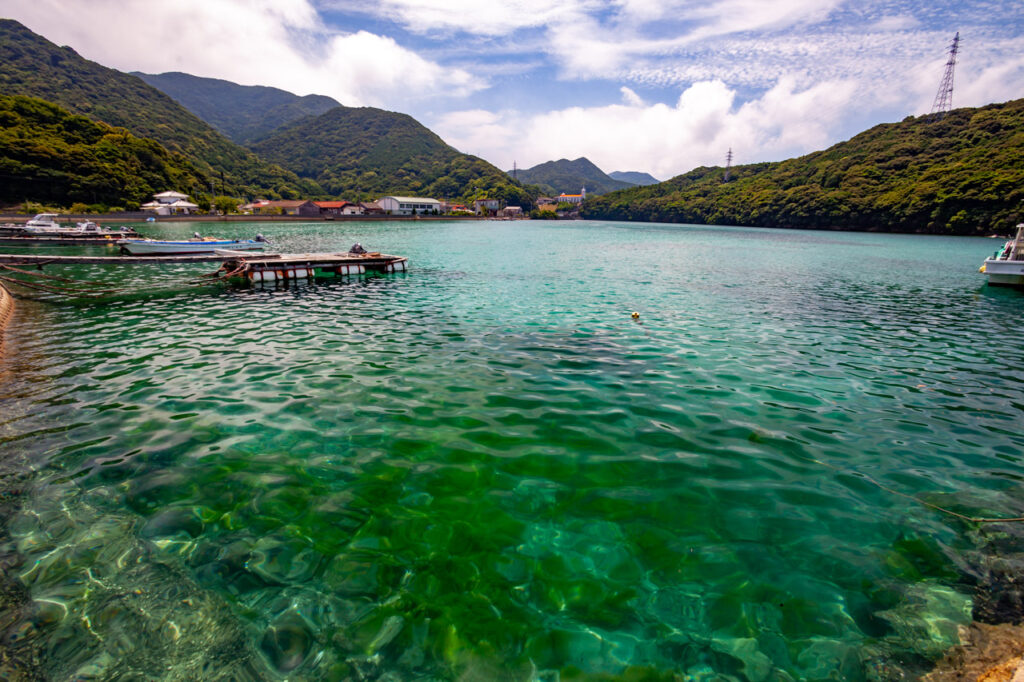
[
  {"x": 139, "y": 247},
  {"x": 1009, "y": 273}
]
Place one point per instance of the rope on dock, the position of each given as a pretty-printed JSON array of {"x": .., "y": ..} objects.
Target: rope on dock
[
  {"x": 243, "y": 267},
  {"x": 88, "y": 293},
  {"x": 45, "y": 276}
]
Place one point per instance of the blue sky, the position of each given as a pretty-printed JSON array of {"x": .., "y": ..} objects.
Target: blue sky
[{"x": 660, "y": 86}]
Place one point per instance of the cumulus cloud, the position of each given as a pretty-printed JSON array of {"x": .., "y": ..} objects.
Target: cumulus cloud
[
  {"x": 281, "y": 43},
  {"x": 660, "y": 138},
  {"x": 723, "y": 58}
]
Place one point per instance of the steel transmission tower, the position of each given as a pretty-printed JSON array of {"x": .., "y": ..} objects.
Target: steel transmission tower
[
  {"x": 728, "y": 165},
  {"x": 944, "y": 97}
]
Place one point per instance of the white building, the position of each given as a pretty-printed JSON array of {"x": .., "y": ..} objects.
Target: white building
[
  {"x": 168, "y": 203},
  {"x": 572, "y": 198},
  {"x": 409, "y": 205}
]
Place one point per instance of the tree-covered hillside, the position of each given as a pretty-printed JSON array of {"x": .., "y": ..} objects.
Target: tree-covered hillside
[
  {"x": 366, "y": 152},
  {"x": 33, "y": 66},
  {"x": 242, "y": 112},
  {"x": 52, "y": 156},
  {"x": 962, "y": 174},
  {"x": 570, "y": 177},
  {"x": 634, "y": 177}
]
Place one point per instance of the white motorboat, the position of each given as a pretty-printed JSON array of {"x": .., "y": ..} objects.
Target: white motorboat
[
  {"x": 138, "y": 247},
  {"x": 1006, "y": 266},
  {"x": 45, "y": 227},
  {"x": 44, "y": 222}
]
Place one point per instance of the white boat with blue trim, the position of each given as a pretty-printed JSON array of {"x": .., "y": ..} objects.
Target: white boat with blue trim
[
  {"x": 140, "y": 247},
  {"x": 1006, "y": 266}
]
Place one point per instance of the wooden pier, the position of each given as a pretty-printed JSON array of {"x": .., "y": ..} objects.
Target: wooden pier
[
  {"x": 254, "y": 267},
  {"x": 78, "y": 240}
]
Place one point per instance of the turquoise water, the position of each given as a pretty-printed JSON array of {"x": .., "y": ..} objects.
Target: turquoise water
[{"x": 485, "y": 469}]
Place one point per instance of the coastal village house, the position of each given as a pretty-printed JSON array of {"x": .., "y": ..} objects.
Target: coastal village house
[
  {"x": 511, "y": 212},
  {"x": 170, "y": 203},
  {"x": 409, "y": 205},
  {"x": 371, "y": 208},
  {"x": 297, "y": 207},
  {"x": 486, "y": 206},
  {"x": 333, "y": 208}
]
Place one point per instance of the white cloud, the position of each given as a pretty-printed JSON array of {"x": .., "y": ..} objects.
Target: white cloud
[
  {"x": 281, "y": 43},
  {"x": 630, "y": 98},
  {"x": 737, "y": 16},
  {"x": 469, "y": 16},
  {"x": 900, "y": 22},
  {"x": 662, "y": 139}
]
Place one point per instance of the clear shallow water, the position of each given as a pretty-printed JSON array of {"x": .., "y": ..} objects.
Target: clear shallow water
[{"x": 485, "y": 469}]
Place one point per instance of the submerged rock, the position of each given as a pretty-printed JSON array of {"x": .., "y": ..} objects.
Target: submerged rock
[
  {"x": 988, "y": 653},
  {"x": 287, "y": 643}
]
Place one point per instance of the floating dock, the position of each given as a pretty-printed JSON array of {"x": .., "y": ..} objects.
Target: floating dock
[
  {"x": 254, "y": 267},
  {"x": 309, "y": 265},
  {"x": 77, "y": 240}
]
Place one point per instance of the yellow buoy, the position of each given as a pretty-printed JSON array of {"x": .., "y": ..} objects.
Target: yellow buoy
[{"x": 636, "y": 315}]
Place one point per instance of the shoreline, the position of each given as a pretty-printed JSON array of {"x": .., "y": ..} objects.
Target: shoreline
[
  {"x": 197, "y": 217},
  {"x": 6, "y": 311}
]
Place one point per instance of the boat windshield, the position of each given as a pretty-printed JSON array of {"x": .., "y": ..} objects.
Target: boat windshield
[{"x": 1015, "y": 248}]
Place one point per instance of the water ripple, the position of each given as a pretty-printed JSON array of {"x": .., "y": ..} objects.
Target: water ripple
[{"x": 485, "y": 465}]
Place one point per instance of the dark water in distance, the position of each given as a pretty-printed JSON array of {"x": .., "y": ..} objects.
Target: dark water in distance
[{"x": 484, "y": 469}]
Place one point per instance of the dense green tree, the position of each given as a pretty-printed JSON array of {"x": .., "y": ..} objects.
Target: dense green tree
[
  {"x": 227, "y": 204},
  {"x": 369, "y": 151},
  {"x": 555, "y": 177},
  {"x": 33, "y": 66},
  {"x": 50, "y": 155},
  {"x": 241, "y": 112},
  {"x": 963, "y": 174}
]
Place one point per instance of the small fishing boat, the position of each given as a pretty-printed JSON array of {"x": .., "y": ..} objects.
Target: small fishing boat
[
  {"x": 1006, "y": 266},
  {"x": 139, "y": 247}
]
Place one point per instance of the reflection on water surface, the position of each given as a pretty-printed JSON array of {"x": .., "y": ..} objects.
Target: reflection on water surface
[{"x": 484, "y": 469}]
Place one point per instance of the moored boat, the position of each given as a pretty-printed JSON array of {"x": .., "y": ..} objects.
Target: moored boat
[
  {"x": 1006, "y": 266},
  {"x": 45, "y": 226},
  {"x": 44, "y": 222},
  {"x": 138, "y": 247}
]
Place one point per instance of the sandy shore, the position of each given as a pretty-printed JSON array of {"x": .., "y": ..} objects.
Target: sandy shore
[{"x": 6, "y": 310}]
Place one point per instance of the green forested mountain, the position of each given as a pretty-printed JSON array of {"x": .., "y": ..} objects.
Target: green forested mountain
[
  {"x": 242, "y": 112},
  {"x": 962, "y": 174},
  {"x": 634, "y": 177},
  {"x": 33, "y": 66},
  {"x": 367, "y": 152},
  {"x": 52, "y": 156},
  {"x": 570, "y": 177}
]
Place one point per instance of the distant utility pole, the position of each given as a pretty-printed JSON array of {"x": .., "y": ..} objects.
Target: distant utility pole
[
  {"x": 515, "y": 172},
  {"x": 728, "y": 166},
  {"x": 944, "y": 97}
]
